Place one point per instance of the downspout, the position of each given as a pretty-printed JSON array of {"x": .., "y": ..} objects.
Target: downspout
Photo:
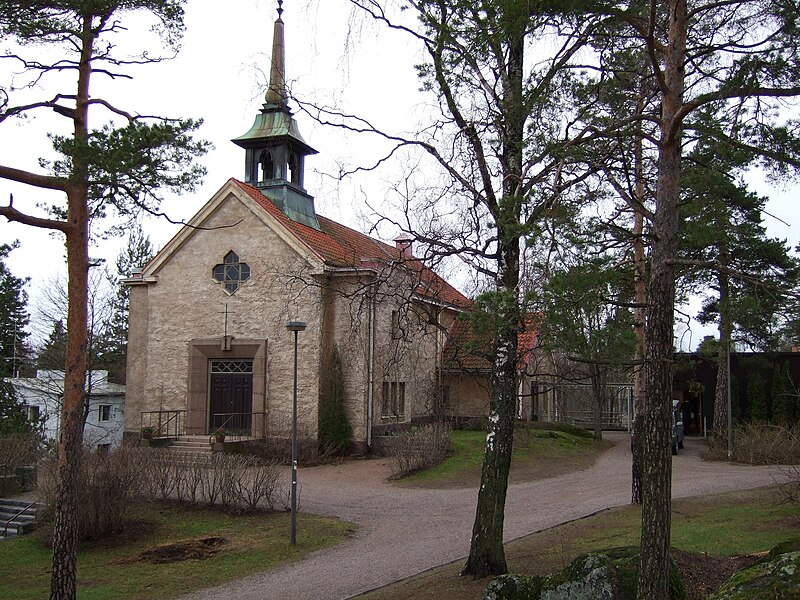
[
  {"x": 370, "y": 368},
  {"x": 264, "y": 395}
]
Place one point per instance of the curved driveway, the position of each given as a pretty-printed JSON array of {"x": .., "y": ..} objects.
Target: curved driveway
[{"x": 404, "y": 531}]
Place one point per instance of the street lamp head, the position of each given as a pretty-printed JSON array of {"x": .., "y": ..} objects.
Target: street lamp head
[{"x": 295, "y": 325}]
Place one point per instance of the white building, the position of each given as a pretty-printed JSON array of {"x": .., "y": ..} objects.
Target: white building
[{"x": 42, "y": 396}]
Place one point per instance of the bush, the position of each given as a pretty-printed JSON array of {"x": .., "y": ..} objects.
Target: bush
[
  {"x": 758, "y": 444},
  {"x": 107, "y": 486},
  {"x": 235, "y": 481},
  {"x": 418, "y": 448},
  {"x": 18, "y": 450},
  {"x": 110, "y": 483}
]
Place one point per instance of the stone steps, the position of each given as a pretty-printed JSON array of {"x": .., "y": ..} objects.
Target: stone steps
[
  {"x": 17, "y": 517},
  {"x": 184, "y": 447}
]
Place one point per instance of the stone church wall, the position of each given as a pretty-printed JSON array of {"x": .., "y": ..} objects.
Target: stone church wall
[{"x": 187, "y": 304}]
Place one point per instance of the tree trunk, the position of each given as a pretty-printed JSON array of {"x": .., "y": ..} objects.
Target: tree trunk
[
  {"x": 656, "y": 467},
  {"x": 640, "y": 296},
  {"x": 598, "y": 399},
  {"x": 487, "y": 555},
  {"x": 63, "y": 583},
  {"x": 720, "y": 424}
]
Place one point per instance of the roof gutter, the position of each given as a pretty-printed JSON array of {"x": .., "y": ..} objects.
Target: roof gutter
[{"x": 371, "y": 370}]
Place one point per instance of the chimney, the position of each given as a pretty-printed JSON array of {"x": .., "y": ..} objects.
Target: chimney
[{"x": 403, "y": 243}]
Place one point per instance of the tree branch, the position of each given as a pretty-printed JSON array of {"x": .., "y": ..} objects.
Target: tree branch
[
  {"x": 12, "y": 214},
  {"x": 41, "y": 181}
]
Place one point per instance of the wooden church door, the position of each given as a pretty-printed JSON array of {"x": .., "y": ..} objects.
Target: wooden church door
[{"x": 231, "y": 397}]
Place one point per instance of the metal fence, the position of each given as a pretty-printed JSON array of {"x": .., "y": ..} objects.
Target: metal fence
[{"x": 573, "y": 403}]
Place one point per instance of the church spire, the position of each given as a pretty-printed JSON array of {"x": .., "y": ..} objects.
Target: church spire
[
  {"x": 276, "y": 92},
  {"x": 275, "y": 151}
]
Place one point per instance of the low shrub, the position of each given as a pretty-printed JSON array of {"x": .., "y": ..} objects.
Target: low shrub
[
  {"x": 235, "y": 481},
  {"x": 758, "y": 444},
  {"x": 109, "y": 483},
  {"x": 18, "y": 450},
  {"x": 418, "y": 448}
]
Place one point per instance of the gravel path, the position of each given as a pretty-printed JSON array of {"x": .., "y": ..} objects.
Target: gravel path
[{"x": 404, "y": 531}]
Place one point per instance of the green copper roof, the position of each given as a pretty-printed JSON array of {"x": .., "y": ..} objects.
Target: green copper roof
[{"x": 272, "y": 123}]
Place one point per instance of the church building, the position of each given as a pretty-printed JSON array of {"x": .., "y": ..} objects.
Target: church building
[{"x": 209, "y": 346}]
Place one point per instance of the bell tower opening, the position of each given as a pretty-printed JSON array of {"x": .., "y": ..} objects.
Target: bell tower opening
[{"x": 275, "y": 150}]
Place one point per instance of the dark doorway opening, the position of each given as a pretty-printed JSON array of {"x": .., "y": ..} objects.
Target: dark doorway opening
[{"x": 231, "y": 402}]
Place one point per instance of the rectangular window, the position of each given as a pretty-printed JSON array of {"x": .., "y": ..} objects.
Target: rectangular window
[
  {"x": 395, "y": 332},
  {"x": 33, "y": 414},
  {"x": 393, "y": 399},
  {"x": 104, "y": 413}
]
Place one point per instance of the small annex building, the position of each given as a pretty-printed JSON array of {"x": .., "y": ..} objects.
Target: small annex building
[
  {"x": 208, "y": 344},
  {"x": 42, "y": 397},
  {"x": 466, "y": 370}
]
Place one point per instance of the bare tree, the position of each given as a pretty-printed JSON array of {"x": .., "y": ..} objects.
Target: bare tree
[{"x": 501, "y": 141}]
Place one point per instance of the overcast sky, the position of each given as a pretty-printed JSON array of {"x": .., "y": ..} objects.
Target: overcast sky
[{"x": 219, "y": 76}]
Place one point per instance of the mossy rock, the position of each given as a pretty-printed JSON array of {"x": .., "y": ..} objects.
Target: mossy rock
[
  {"x": 776, "y": 577},
  {"x": 792, "y": 545},
  {"x": 606, "y": 575},
  {"x": 513, "y": 587}
]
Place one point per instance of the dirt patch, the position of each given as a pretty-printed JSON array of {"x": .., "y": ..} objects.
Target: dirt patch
[
  {"x": 703, "y": 574},
  {"x": 198, "y": 549}
]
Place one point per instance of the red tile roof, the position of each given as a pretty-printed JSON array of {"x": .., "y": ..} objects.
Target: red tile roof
[
  {"x": 342, "y": 247},
  {"x": 466, "y": 350}
]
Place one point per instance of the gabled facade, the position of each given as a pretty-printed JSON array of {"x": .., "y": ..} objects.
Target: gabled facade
[
  {"x": 208, "y": 345},
  {"x": 466, "y": 368}
]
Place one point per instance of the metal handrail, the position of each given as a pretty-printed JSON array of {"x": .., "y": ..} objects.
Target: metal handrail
[
  {"x": 19, "y": 512},
  {"x": 221, "y": 428},
  {"x": 235, "y": 425},
  {"x": 163, "y": 426}
]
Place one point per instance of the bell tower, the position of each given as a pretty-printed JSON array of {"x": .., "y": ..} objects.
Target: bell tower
[{"x": 275, "y": 152}]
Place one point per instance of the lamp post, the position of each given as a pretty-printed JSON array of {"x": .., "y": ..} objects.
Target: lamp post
[{"x": 297, "y": 327}]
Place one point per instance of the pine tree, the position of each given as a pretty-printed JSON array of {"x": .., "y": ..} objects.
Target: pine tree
[
  {"x": 12, "y": 412},
  {"x": 136, "y": 254},
  {"x": 14, "y": 352},
  {"x": 583, "y": 318},
  {"x": 53, "y": 354},
  {"x": 740, "y": 272},
  {"x": 119, "y": 170}
]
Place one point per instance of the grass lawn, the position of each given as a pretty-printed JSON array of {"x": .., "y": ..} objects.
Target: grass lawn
[
  {"x": 721, "y": 525},
  {"x": 538, "y": 454},
  {"x": 116, "y": 569}
]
